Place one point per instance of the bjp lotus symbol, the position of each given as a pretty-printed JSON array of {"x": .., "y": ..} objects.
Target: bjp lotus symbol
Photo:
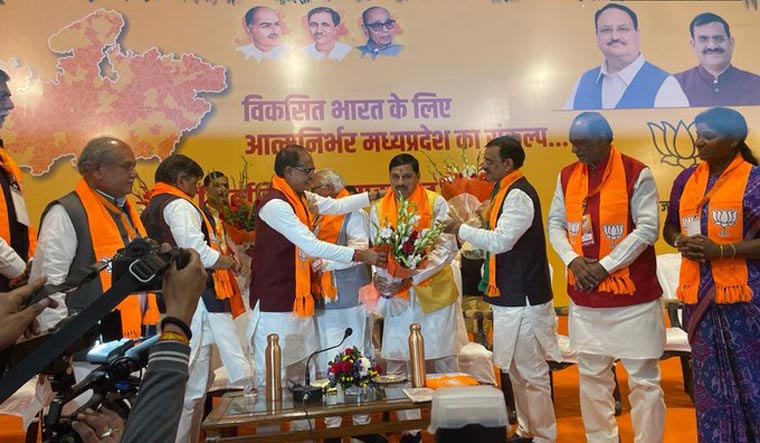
[
  {"x": 675, "y": 143},
  {"x": 573, "y": 228},
  {"x": 725, "y": 218},
  {"x": 613, "y": 232}
]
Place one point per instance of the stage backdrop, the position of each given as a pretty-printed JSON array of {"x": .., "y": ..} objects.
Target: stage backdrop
[{"x": 428, "y": 77}]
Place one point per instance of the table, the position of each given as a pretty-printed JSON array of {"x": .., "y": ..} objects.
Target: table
[{"x": 235, "y": 410}]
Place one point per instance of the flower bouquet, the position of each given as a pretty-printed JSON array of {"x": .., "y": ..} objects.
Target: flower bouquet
[
  {"x": 239, "y": 216},
  {"x": 408, "y": 248},
  {"x": 352, "y": 369},
  {"x": 462, "y": 186}
]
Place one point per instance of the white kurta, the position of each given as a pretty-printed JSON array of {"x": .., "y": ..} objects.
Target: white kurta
[
  {"x": 298, "y": 336},
  {"x": 439, "y": 328},
  {"x": 332, "y": 323},
  {"x": 636, "y": 331},
  {"x": 338, "y": 51}
]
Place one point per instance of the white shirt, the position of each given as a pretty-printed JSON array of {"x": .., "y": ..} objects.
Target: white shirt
[
  {"x": 336, "y": 53},
  {"x": 185, "y": 224},
  {"x": 279, "y": 215},
  {"x": 644, "y": 213},
  {"x": 670, "y": 94},
  {"x": 636, "y": 331},
  {"x": 515, "y": 220},
  {"x": 11, "y": 264},
  {"x": 251, "y": 51}
]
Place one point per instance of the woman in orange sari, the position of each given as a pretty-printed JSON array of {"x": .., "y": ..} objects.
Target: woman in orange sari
[{"x": 714, "y": 221}]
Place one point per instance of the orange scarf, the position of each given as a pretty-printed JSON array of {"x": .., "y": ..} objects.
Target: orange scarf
[
  {"x": 493, "y": 217},
  {"x": 106, "y": 240},
  {"x": 612, "y": 219},
  {"x": 387, "y": 213},
  {"x": 328, "y": 230},
  {"x": 724, "y": 226},
  {"x": 14, "y": 173},
  {"x": 225, "y": 285},
  {"x": 303, "y": 306}
]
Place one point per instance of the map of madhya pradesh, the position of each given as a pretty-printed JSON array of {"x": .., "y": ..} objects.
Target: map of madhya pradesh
[{"x": 149, "y": 99}]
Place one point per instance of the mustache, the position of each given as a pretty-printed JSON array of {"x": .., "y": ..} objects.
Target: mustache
[
  {"x": 713, "y": 51},
  {"x": 273, "y": 35},
  {"x": 612, "y": 42}
]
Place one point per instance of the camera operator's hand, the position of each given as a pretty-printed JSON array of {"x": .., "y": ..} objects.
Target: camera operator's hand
[
  {"x": 98, "y": 427},
  {"x": 182, "y": 288},
  {"x": 16, "y": 318}
]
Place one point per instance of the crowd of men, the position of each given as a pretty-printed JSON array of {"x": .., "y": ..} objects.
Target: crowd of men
[{"x": 313, "y": 251}]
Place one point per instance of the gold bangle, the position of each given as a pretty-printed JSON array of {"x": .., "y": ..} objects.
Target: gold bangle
[
  {"x": 733, "y": 250},
  {"x": 721, "y": 252}
]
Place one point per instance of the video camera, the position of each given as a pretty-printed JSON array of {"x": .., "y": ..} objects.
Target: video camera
[{"x": 138, "y": 267}]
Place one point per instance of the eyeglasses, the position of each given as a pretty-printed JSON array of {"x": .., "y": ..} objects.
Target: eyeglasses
[
  {"x": 378, "y": 26},
  {"x": 307, "y": 171}
]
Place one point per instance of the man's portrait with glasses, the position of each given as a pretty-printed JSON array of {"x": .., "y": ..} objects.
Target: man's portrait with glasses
[{"x": 380, "y": 29}]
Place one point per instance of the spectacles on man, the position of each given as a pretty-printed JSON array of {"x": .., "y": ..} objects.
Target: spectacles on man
[
  {"x": 378, "y": 26},
  {"x": 307, "y": 171}
]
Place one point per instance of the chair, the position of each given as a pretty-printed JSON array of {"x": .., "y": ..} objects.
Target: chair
[{"x": 676, "y": 339}]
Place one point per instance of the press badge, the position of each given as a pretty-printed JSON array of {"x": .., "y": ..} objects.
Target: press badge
[
  {"x": 22, "y": 215},
  {"x": 587, "y": 231},
  {"x": 691, "y": 225}
]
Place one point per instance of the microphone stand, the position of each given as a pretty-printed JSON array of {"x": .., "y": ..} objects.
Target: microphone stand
[{"x": 309, "y": 393}]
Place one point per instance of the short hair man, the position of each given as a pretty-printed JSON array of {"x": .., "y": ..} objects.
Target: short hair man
[
  {"x": 518, "y": 286},
  {"x": 625, "y": 79},
  {"x": 262, "y": 26},
  {"x": 436, "y": 312},
  {"x": 89, "y": 225},
  {"x": 380, "y": 29},
  {"x": 173, "y": 217},
  {"x": 323, "y": 27},
  {"x": 715, "y": 81},
  {"x": 16, "y": 243},
  {"x": 603, "y": 223},
  {"x": 339, "y": 287},
  {"x": 281, "y": 290}
]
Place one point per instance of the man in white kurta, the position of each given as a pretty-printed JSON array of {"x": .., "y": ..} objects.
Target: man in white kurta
[
  {"x": 603, "y": 325},
  {"x": 212, "y": 324},
  {"x": 523, "y": 312},
  {"x": 439, "y": 327}
]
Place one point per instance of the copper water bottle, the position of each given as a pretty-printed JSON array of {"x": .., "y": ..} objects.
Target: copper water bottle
[
  {"x": 416, "y": 355},
  {"x": 273, "y": 369}
]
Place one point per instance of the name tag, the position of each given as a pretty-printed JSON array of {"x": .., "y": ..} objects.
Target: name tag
[
  {"x": 22, "y": 215},
  {"x": 587, "y": 231}
]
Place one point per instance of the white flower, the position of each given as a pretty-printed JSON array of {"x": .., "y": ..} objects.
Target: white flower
[
  {"x": 385, "y": 233},
  {"x": 364, "y": 366}
]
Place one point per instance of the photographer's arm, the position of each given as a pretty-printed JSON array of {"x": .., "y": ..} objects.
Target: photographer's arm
[
  {"x": 163, "y": 386},
  {"x": 16, "y": 317}
]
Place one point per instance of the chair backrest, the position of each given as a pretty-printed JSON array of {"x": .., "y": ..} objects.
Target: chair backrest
[{"x": 668, "y": 270}]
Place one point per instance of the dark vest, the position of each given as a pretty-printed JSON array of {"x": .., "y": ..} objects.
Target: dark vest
[
  {"x": 85, "y": 256},
  {"x": 349, "y": 280},
  {"x": 19, "y": 240},
  {"x": 273, "y": 267},
  {"x": 640, "y": 93},
  {"x": 643, "y": 270},
  {"x": 522, "y": 273},
  {"x": 158, "y": 230}
]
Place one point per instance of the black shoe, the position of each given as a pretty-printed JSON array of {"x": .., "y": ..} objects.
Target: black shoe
[
  {"x": 371, "y": 438},
  {"x": 517, "y": 438},
  {"x": 411, "y": 438}
]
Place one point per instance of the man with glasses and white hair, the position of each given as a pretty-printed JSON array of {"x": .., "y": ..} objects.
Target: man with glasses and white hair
[{"x": 380, "y": 29}]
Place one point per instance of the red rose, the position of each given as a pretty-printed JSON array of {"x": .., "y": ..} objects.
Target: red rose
[
  {"x": 413, "y": 236},
  {"x": 408, "y": 247}
]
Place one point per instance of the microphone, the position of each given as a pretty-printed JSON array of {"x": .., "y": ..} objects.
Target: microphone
[{"x": 309, "y": 393}]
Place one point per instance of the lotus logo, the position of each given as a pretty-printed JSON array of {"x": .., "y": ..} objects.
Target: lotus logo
[
  {"x": 725, "y": 218},
  {"x": 573, "y": 228},
  {"x": 613, "y": 232},
  {"x": 675, "y": 143}
]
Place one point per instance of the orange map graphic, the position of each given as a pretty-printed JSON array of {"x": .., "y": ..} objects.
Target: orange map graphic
[{"x": 147, "y": 99}]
